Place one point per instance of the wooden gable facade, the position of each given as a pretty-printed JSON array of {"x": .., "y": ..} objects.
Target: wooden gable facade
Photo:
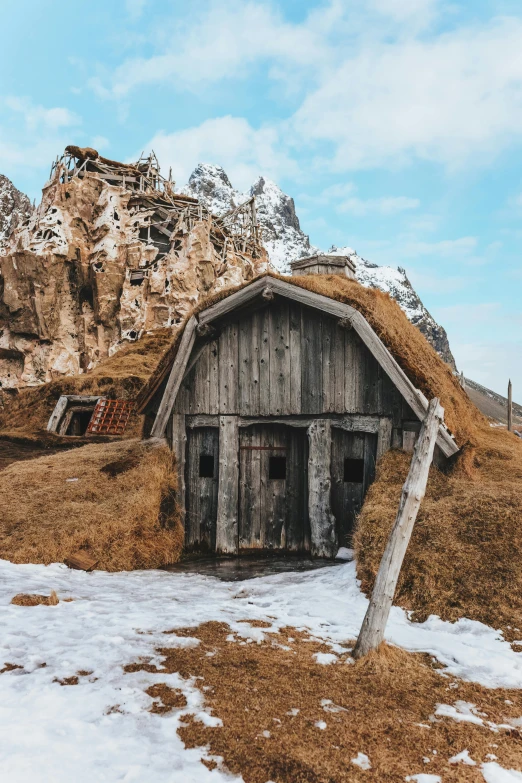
[{"x": 278, "y": 405}]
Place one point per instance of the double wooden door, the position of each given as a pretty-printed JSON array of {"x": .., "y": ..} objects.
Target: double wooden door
[{"x": 273, "y": 486}]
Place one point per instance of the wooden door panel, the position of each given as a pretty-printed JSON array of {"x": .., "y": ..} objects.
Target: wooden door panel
[
  {"x": 353, "y": 470},
  {"x": 272, "y": 511},
  {"x": 202, "y": 489}
]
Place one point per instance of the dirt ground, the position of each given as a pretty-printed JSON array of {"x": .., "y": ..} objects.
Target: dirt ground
[{"x": 289, "y": 719}]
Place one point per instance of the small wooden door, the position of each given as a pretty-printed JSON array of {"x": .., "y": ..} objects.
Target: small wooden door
[
  {"x": 202, "y": 467},
  {"x": 353, "y": 470},
  {"x": 273, "y": 507}
]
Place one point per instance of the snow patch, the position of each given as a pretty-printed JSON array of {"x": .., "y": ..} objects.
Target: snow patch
[{"x": 361, "y": 760}]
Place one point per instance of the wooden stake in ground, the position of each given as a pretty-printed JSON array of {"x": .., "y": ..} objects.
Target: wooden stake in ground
[
  {"x": 510, "y": 407},
  {"x": 374, "y": 623}
]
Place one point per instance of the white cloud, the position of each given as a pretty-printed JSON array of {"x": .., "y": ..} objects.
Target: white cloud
[
  {"x": 385, "y": 205},
  {"x": 34, "y": 142},
  {"x": 99, "y": 143},
  {"x": 445, "y": 247},
  {"x": 38, "y": 117},
  {"x": 231, "y": 142},
  {"x": 135, "y": 8},
  {"x": 452, "y": 98},
  {"x": 379, "y": 82},
  {"x": 491, "y": 363},
  {"x": 436, "y": 282},
  {"x": 222, "y": 41}
]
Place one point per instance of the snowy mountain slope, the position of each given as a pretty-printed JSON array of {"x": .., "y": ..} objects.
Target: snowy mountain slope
[
  {"x": 395, "y": 282},
  {"x": 14, "y": 208},
  {"x": 285, "y": 241},
  {"x": 282, "y": 234}
]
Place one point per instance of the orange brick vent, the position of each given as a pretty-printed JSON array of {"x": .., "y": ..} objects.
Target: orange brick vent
[{"x": 110, "y": 417}]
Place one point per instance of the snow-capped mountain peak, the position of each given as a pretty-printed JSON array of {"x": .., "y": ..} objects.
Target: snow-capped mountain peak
[
  {"x": 282, "y": 234},
  {"x": 210, "y": 184}
]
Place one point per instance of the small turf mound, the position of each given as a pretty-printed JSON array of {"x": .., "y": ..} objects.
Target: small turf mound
[
  {"x": 121, "y": 376},
  {"x": 54, "y": 507},
  {"x": 465, "y": 554}
]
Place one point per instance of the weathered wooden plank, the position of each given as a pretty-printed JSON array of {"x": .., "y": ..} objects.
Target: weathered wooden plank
[
  {"x": 245, "y": 367},
  {"x": 273, "y": 490},
  {"x": 384, "y": 436},
  {"x": 279, "y": 358},
  {"x": 264, "y": 361},
  {"x": 328, "y": 327},
  {"x": 351, "y": 422},
  {"x": 56, "y": 416},
  {"x": 175, "y": 378},
  {"x": 374, "y": 623},
  {"x": 322, "y": 521},
  {"x": 295, "y": 357},
  {"x": 213, "y": 376},
  {"x": 208, "y": 491},
  {"x": 408, "y": 440},
  {"x": 249, "y": 490},
  {"x": 339, "y": 371},
  {"x": 297, "y": 529},
  {"x": 311, "y": 365},
  {"x": 228, "y": 487},
  {"x": 228, "y": 369},
  {"x": 353, "y": 372},
  {"x": 179, "y": 447},
  {"x": 200, "y": 397}
]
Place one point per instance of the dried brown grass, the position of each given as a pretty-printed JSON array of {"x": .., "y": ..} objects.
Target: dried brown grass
[
  {"x": 35, "y": 599},
  {"x": 465, "y": 554},
  {"x": 380, "y": 702},
  {"x": 124, "y": 521}
]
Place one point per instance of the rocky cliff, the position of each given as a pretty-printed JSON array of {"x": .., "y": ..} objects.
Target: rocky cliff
[
  {"x": 111, "y": 252},
  {"x": 285, "y": 241},
  {"x": 15, "y": 207}
]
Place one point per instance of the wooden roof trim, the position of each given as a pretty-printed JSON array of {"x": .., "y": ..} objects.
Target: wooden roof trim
[
  {"x": 176, "y": 376},
  {"x": 413, "y": 396}
]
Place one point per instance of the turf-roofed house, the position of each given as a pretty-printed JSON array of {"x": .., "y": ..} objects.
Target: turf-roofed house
[{"x": 277, "y": 401}]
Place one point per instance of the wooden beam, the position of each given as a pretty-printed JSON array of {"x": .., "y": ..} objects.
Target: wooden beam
[
  {"x": 175, "y": 378},
  {"x": 57, "y": 414},
  {"x": 510, "y": 407},
  {"x": 227, "y": 531},
  {"x": 322, "y": 522},
  {"x": 350, "y": 422},
  {"x": 179, "y": 442},
  {"x": 374, "y": 623}
]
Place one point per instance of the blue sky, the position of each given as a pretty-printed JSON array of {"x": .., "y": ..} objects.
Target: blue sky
[{"x": 395, "y": 124}]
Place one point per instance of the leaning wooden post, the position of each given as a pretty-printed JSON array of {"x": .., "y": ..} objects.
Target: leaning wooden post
[
  {"x": 376, "y": 617},
  {"x": 510, "y": 407}
]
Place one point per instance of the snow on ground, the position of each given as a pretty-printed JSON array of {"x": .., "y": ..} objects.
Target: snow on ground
[{"x": 101, "y": 730}]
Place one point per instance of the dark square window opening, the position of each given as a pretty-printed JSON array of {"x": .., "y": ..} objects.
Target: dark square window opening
[
  {"x": 206, "y": 466},
  {"x": 354, "y": 470},
  {"x": 277, "y": 468}
]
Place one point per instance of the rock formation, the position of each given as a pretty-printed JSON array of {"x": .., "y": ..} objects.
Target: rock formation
[
  {"x": 15, "y": 207},
  {"x": 110, "y": 253}
]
